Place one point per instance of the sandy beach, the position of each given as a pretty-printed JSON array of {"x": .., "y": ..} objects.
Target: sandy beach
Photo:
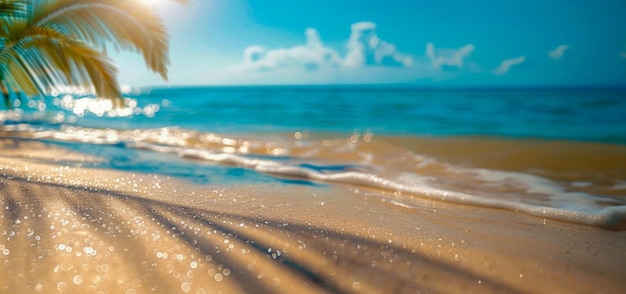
[
  {"x": 181, "y": 146},
  {"x": 74, "y": 229}
]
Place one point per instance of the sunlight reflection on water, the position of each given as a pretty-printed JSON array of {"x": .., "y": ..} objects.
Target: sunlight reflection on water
[{"x": 104, "y": 107}]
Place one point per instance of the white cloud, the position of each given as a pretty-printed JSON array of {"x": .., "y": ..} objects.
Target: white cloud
[
  {"x": 368, "y": 59},
  {"x": 366, "y": 48},
  {"x": 448, "y": 57},
  {"x": 506, "y": 64},
  {"x": 558, "y": 52},
  {"x": 310, "y": 56}
]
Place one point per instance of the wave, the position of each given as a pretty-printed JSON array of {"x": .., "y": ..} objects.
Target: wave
[{"x": 362, "y": 160}]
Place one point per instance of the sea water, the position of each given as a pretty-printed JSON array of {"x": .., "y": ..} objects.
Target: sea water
[{"x": 552, "y": 153}]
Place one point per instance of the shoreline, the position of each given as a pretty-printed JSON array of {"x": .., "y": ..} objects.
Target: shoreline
[{"x": 67, "y": 228}]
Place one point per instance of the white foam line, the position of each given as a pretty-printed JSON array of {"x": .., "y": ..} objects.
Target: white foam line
[
  {"x": 606, "y": 216},
  {"x": 225, "y": 158}
]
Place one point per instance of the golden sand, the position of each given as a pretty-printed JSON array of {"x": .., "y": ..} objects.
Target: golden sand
[{"x": 66, "y": 228}]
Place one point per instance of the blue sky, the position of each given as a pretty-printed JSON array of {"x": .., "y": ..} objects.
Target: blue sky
[{"x": 426, "y": 43}]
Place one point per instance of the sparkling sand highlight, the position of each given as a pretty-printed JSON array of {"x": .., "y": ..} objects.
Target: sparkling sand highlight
[{"x": 67, "y": 228}]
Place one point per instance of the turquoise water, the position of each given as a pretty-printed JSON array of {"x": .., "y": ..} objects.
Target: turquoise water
[
  {"x": 591, "y": 115},
  {"x": 555, "y": 153}
]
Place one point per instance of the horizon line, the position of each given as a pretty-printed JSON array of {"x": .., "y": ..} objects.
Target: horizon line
[{"x": 392, "y": 87}]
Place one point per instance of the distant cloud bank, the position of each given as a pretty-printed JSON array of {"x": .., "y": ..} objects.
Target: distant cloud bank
[
  {"x": 364, "y": 48},
  {"x": 310, "y": 56},
  {"x": 367, "y": 59}
]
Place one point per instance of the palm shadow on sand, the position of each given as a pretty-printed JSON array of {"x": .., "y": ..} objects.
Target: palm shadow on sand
[{"x": 167, "y": 247}]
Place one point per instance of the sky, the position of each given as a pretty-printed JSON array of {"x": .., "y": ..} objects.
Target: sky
[{"x": 425, "y": 43}]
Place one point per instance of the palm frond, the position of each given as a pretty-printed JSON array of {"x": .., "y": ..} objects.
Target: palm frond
[
  {"x": 45, "y": 59},
  {"x": 125, "y": 24},
  {"x": 47, "y": 43}
]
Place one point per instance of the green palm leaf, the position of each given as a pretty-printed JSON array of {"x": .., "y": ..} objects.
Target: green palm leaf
[
  {"x": 49, "y": 43},
  {"x": 46, "y": 59}
]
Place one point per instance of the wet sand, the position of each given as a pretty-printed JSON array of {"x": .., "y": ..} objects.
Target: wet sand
[{"x": 67, "y": 228}]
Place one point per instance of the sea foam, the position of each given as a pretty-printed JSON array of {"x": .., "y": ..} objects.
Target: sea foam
[{"x": 379, "y": 166}]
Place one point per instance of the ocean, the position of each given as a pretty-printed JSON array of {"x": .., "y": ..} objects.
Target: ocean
[{"x": 553, "y": 153}]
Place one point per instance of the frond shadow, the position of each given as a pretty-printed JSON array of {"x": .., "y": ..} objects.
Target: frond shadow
[{"x": 319, "y": 259}]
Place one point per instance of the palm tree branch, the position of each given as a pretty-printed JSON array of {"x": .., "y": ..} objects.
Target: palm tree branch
[
  {"x": 126, "y": 24},
  {"x": 51, "y": 59}
]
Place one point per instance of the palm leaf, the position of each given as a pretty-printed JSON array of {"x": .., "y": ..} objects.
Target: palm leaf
[
  {"x": 45, "y": 59},
  {"x": 125, "y": 24},
  {"x": 48, "y": 43}
]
